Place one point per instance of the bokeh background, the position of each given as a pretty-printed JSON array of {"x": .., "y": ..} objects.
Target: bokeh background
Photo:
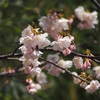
[{"x": 15, "y": 15}]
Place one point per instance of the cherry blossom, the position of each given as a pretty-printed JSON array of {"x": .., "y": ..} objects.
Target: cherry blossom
[
  {"x": 41, "y": 78},
  {"x": 97, "y": 71},
  {"x": 33, "y": 87},
  {"x": 93, "y": 86},
  {"x": 75, "y": 80},
  {"x": 53, "y": 70},
  {"x": 35, "y": 71},
  {"x": 61, "y": 43},
  {"x": 53, "y": 57},
  {"x": 35, "y": 42},
  {"x": 88, "y": 20},
  {"x": 65, "y": 64},
  {"x": 27, "y": 32},
  {"x": 53, "y": 26},
  {"x": 41, "y": 41},
  {"x": 78, "y": 62}
]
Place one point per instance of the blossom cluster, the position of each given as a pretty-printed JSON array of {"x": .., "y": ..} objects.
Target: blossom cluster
[
  {"x": 52, "y": 24},
  {"x": 89, "y": 87},
  {"x": 79, "y": 64},
  {"x": 30, "y": 40},
  {"x": 55, "y": 36},
  {"x": 87, "y": 19},
  {"x": 33, "y": 41},
  {"x": 53, "y": 70}
]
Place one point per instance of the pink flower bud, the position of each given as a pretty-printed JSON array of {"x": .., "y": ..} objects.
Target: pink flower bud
[
  {"x": 66, "y": 51},
  {"x": 72, "y": 47}
]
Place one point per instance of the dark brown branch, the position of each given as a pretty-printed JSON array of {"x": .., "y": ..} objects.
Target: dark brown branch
[
  {"x": 13, "y": 57},
  {"x": 94, "y": 58},
  {"x": 19, "y": 45},
  {"x": 14, "y": 74},
  {"x": 67, "y": 71},
  {"x": 7, "y": 56},
  {"x": 75, "y": 54},
  {"x": 96, "y": 3},
  {"x": 85, "y": 56}
]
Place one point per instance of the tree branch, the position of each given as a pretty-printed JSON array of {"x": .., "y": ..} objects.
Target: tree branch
[
  {"x": 8, "y": 56},
  {"x": 13, "y": 74},
  {"x": 67, "y": 71},
  {"x": 13, "y": 57},
  {"x": 94, "y": 58},
  {"x": 19, "y": 45},
  {"x": 96, "y": 3}
]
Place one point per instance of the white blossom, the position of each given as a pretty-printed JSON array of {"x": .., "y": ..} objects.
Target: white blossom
[
  {"x": 53, "y": 70},
  {"x": 83, "y": 84},
  {"x": 32, "y": 54},
  {"x": 35, "y": 71},
  {"x": 27, "y": 41},
  {"x": 79, "y": 12},
  {"x": 93, "y": 86},
  {"x": 33, "y": 87},
  {"x": 61, "y": 43},
  {"x": 41, "y": 41},
  {"x": 27, "y": 32},
  {"x": 23, "y": 49},
  {"x": 88, "y": 20},
  {"x": 53, "y": 57},
  {"x": 65, "y": 64},
  {"x": 32, "y": 62},
  {"x": 78, "y": 62},
  {"x": 75, "y": 79},
  {"x": 41, "y": 78},
  {"x": 97, "y": 71},
  {"x": 27, "y": 69}
]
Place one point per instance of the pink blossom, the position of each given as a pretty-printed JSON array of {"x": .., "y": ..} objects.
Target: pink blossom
[
  {"x": 66, "y": 51},
  {"x": 86, "y": 64},
  {"x": 33, "y": 87}
]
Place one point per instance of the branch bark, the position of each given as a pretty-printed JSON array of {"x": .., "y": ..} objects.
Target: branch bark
[{"x": 95, "y": 2}]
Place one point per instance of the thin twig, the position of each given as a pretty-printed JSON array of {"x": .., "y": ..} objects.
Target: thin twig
[
  {"x": 19, "y": 45},
  {"x": 10, "y": 56},
  {"x": 96, "y": 3},
  {"x": 94, "y": 58},
  {"x": 14, "y": 74},
  {"x": 74, "y": 53},
  {"x": 6, "y": 56},
  {"x": 67, "y": 71},
  {"x": 85, "y": 56}
]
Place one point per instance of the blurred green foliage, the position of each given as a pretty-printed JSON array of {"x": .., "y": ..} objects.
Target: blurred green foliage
[{"x": 15, "y": 15}]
